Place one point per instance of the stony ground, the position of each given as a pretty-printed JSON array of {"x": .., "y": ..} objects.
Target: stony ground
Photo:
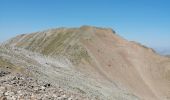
[
  {"x": 21, "y": 87},
  {"x": 89, "y": 61}
]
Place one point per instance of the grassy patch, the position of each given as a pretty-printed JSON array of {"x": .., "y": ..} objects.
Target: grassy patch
[
  {"x": 57, "y": 44},
  {"x": 8, "y": 65},
  {"x": 5, "y": 64}
]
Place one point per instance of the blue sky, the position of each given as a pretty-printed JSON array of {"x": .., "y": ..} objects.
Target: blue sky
[{"x": 145, "y": 21}]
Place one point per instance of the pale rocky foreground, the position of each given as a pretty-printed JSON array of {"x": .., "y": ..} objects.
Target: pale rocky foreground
[{"x": 21, "y": 87}]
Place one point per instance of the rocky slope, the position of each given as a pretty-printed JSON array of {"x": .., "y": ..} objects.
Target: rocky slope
[
  {"x": 20, "y": 87},
  {"x": 93, "y": 62}
]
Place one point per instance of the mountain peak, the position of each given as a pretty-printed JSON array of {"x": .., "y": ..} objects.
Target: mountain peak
[
  {"x": 92, "y": 57},
  {"x": 87, "y": 27}
]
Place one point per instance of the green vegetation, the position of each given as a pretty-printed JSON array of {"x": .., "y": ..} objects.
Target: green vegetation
[
  {"x": 57, "y": 44},
  {"x": 77, "y": 53},
  {"x": 61, "y": 45},
  {"x": 5, "y": 64}
]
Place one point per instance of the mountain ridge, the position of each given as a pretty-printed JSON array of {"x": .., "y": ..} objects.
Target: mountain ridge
[{"x": 126, "y": 69}]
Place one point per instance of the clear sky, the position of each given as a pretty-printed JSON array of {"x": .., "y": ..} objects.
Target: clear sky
[{"x": 145, "y": 21}]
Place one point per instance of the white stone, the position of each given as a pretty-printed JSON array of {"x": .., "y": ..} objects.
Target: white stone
[
  {"x": 42, "y": 87},
  {"x": 8, "y": 93},
  {"x": 59, "y": 98},
  {"x": 64, "y": 96},
  {"x": 35, "y": 88},
  {"x": 70, "y": 98}
]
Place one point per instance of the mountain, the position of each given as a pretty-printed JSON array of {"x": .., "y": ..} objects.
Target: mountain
[
  {"x": 168, "y": 55},
  {"x": 90, "y": 61},
  {"x": 163, "y": 51}
]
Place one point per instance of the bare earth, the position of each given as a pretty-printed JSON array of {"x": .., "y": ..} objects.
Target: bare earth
[{"x": 87, "y": 63}]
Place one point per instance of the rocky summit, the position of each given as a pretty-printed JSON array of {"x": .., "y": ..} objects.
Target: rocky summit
[{"x": 86, "y": 63}]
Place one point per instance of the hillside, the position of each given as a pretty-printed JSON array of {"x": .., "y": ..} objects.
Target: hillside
[
  {"x": 168, "y": 55},
  {"x": 90, "y": 61}
]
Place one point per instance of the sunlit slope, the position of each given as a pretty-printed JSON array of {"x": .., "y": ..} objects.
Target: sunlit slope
[{"x": 101, "y": 54}]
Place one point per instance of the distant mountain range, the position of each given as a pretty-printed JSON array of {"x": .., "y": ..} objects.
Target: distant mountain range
[{"x": 163, "y": 51}]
